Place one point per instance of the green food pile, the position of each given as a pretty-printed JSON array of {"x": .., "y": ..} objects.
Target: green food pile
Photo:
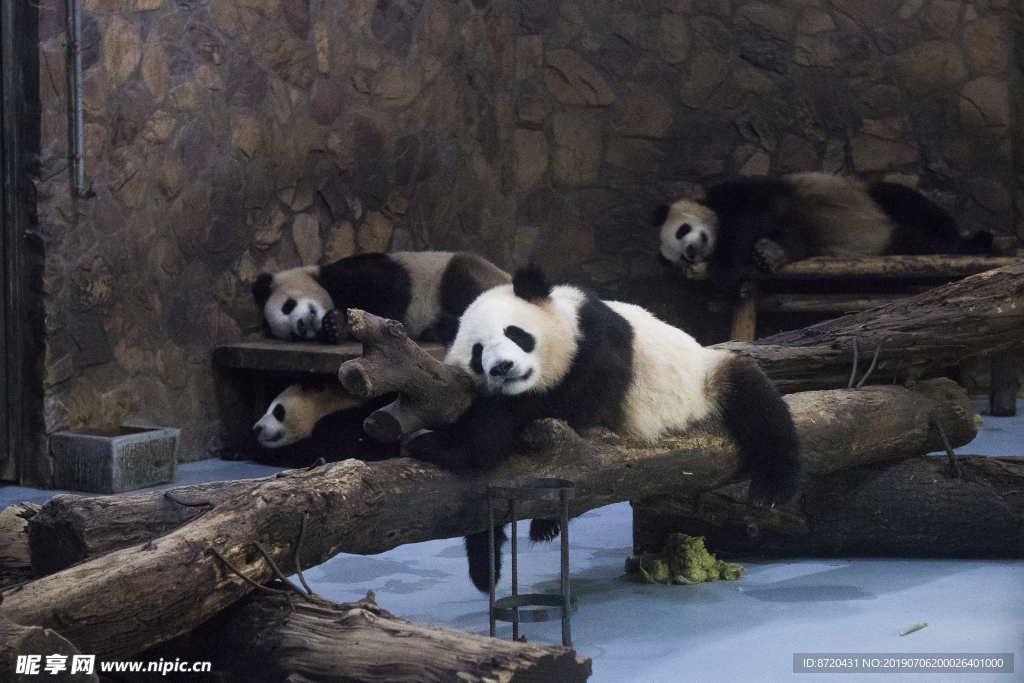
[{"x": 684, "y": 560}]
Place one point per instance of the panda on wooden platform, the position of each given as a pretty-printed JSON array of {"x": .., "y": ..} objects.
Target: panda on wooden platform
[
  {"x": 425, "y": 290},
  {"x": 537, "y": 351},
  {"x": 765, "y": 223},
  {"x": 307, "y": 422}
]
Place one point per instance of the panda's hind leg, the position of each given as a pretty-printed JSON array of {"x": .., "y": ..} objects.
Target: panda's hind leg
[
  {"x": 760, "y": 422},
  {"x": 478, "y": 555}
]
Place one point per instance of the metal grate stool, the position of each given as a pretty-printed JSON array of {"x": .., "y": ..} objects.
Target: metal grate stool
[{"x": 543, "y": 607}]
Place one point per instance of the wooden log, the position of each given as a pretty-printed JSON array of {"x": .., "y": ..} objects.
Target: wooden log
[
  {"x": 918, "y": 337},
  {"x": 913, "y": 508},
  {"x": 263, "y": 639},
  {"x": 130, "y": 599},
  {"x": 70, "y": 528}
]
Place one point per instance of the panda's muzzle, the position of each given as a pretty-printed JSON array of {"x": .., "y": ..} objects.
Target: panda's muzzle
[
  {"x": 259, "y": 431},
  {"x": 308, "y": 325},
  {"x": 500, "y": 378},
  {"x": 501, "y": 369}
]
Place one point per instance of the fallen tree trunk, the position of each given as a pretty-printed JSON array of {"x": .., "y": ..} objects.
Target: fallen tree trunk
[
  {"x": 913, "y": 508},
  {"x": 918, "y": 336},
  {"x": 130, "y": 599},
  {"x": 265, "y": 639}
]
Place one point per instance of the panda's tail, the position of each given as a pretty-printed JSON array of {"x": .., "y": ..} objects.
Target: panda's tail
[
  {"x": 479, "y": 558},
  {"x": 760, "y": 422}
]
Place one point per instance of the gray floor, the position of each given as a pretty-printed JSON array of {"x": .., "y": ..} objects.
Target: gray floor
[{"x": 746, "y": 630}]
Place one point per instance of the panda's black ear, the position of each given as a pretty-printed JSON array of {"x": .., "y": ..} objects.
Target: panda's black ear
[
  {"x": 659, "y": 215},
  {"x": 529, "y": 283},
  {"x": 261, "y": 288}
]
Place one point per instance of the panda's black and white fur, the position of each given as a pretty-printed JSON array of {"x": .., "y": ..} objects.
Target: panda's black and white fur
[
  {"x": 537, "y": 351},
  {"x": 307, "y": 422},
  {"x": 426, "y": 291},
  {"x": 765, "y": 223}
]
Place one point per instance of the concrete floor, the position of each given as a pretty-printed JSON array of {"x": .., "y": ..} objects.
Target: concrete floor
[{"x": 746, "y": 630}]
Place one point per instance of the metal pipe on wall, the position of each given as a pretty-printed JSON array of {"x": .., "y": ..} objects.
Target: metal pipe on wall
[{"x": 74, "y": 33}]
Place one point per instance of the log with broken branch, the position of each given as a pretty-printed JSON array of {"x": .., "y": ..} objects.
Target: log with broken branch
[
  {"x": 431, "y": 393},
  {"x": 917, "y": 337},
  {"x": 130, "y": 599}
]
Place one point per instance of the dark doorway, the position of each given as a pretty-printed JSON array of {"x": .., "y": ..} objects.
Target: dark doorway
[{"x": 20, "y": 247}]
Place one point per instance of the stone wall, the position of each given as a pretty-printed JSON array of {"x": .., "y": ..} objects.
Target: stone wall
[{"x": 223, "y": 138}]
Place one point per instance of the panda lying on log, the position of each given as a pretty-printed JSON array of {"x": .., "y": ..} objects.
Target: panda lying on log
[
  {"x": 536, "y": 351},
  {"x": 427, "y": 291},
  {"x": 761, "y": 224}
]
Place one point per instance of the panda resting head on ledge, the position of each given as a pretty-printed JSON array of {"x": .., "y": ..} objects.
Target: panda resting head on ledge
[
  {"x": 426, "y": 290},
  {"x": 761, "y": 224}
]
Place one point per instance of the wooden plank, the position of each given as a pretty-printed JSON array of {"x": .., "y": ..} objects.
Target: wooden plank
[
  {"x": 282, "y": 356},
  {"x": 824, "y": 303},
  {"x": 907, "y": 267}
]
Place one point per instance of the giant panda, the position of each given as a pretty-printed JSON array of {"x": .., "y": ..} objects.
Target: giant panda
[
  {"x": 306, "y": 422},
  {"x": 764, "y": 223},
  {"x": 425, "y": 290},
  {"x": 537, "y": 351}
]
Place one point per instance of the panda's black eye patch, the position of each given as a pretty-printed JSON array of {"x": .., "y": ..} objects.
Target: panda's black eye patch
[
  {"x": 703, "y": 238},
  {"x": 279, "y": 412},
  {"x": 684, "y": 229},
  {"x": 521, "y": 337},
  {"x": 476, "y": 363},
  {"x": 289, "y": 306}
]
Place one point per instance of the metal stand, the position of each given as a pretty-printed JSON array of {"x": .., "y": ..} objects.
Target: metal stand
[{"x": 547, "y": 606}]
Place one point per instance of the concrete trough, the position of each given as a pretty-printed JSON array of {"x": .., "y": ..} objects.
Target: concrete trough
[{"x": 114, "y": 460}]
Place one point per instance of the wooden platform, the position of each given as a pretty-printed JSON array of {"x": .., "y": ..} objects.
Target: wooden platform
[
  {"x": 923, "y": 270},
  {"x": 280, "y": 356}
]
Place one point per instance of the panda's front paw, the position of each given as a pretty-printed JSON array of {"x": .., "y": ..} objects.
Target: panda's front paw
[
  {"x": 333, "y": 327},
  {"x": 544, "y": 529},
  {"x": 769, "y": 256}
]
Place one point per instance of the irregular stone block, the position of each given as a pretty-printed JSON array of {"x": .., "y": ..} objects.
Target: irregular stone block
[
  {"x": 122, "y": 50},
  {"x": 934, "y": 66},
  {"x": 573, "y": 81},
  {"x": 985, "y": 102}
]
